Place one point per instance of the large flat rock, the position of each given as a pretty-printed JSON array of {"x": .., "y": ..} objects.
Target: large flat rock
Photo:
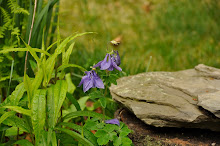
[{"x": 189, "y": 98}]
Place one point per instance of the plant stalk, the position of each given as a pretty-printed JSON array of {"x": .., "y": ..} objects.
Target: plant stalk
[{"x": 32, "y": 24}]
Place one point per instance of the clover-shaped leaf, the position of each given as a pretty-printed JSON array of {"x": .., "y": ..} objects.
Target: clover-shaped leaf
[{"x": 124, "y": 131}]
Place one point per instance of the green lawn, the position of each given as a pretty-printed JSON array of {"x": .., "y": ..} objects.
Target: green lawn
[{"x": 178, "y": 34}]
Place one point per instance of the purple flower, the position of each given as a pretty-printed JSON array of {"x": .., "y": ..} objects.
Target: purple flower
[
  {"x": 109, "y": 62},
  {"x": 113, "y": 121},
  {"x": 116, "y": 58},
  {"x": 91, "y": 80}
]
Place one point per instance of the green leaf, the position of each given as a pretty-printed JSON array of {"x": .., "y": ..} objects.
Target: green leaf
[
  {"x": 24, "y": 50},
  {"x": 37, "y": 80},
  {"x": 62, "y": 67},
  {"x": 77, "y": 136},
  {"x": 71, "y": 86},
  {"x": 104, "y": 139},
  {"x": 24, "y": 142},
  {"x": 38, "y": 112},
  {"x": 110, "y": 127},
  {"x": 82, "y": 102},
  {"x": 55, "y": 98},
  {"x": 6, "y": 115},
  {"x": 33, "y": 66},
  {"x": 88, "y": 134},
  {"x": 54, "y": 140},
  {"x": 28, "y": 87},
  {"x": 96, "y": 94},
  {"x": 101, "y": 133},
  {"x": 124, "y": 131},
  {"x": 15, "y": 121},
  {"x": 103, "y": 102},
  {"x": 126, "y": 141},
  {"x": 13, "y": 131},
  {"x": 117, "y": 141},
  {"x": 17, "y": 94},
  {"x": 66, "y": 140},
  {"x": 74, "y": 101},
  {"x": 66, "y": 57},
  {"x": 90, "y": 125},
  {"x": 19, "y": 110},
  {"x": 85, "y": 113}
]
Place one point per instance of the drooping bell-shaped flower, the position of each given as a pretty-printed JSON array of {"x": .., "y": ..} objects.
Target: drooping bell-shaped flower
[
  {"x": 91, "y": 80},
  {"x": 113, "y": 121},
  {"x": 109, "y": 62},
  {"x": 116, "y": 58}
]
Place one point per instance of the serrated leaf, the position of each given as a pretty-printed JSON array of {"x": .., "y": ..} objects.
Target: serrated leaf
[
  {"x": 38, "y": 112},
  {"x": 100, "y": 133},
  {"x": 90, "y": 125},
  {"x": 126, "y": 141},
  {"x": 124, "y": 131},
  {"x": 117, "y": 141},
  {"x": 103, "y": 140},
  {"x": 109, "y": 127}
]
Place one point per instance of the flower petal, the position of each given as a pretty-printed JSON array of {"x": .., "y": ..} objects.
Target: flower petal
[
  {"x": 98, "y": 64},
  {"x": 113, "y": 121},
  {"x": 88, "y": 83},
  {"x": 106, "y": 63},
  {"x": 116, "y": 67},
  {"x": 98, "y": 83}
]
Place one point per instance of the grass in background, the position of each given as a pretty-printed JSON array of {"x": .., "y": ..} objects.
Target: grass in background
[{"x": 177, "y": 34}]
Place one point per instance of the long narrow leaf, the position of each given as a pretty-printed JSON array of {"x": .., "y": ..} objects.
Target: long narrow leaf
[
  {"x": 23, "y": 142},
  {"x": 19, "y": 110},
  {"x": 62, "y": 67},
  {"x": 88, "y": 134},
  {"x": 55, "y": 98},
  {"x": 77, "y": 136},
  {"x": 38, "y": 112},
  {"x": 24, "y": 49},
  {"x": 15, "y": 121},
  {"x": 6, "y": 115},
  {"x": 84, "y": 113}
]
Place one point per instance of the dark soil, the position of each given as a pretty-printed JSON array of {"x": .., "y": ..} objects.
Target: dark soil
[{"x": 145, "y": 135}]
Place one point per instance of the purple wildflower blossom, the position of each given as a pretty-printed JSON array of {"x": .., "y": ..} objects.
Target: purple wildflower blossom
[
  {"x": 91, "y": 80},
  {"x": 113, "y": 121},
  {"x": 109, "y": 62},
  {"x": 116, "y": 58}
]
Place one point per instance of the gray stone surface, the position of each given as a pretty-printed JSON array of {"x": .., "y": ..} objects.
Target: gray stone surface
[{"x": 188, "y": 98}]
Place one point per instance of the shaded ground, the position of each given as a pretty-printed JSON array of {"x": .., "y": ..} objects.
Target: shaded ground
[{"x": 151, "y": 136}]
